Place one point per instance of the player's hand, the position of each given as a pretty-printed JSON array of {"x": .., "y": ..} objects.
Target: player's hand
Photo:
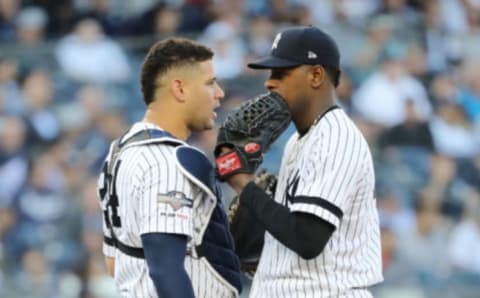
[
  {"x": 239, "y": 181},
  {"x": 248, "y": 132}
]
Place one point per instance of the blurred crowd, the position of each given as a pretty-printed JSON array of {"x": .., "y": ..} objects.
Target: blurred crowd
[{"x": 69, "y": 84}]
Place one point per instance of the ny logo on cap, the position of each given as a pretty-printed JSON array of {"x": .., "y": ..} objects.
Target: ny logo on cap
[
  {"x": 311, "y": 55},
  {"x": 276, "y": 40}
]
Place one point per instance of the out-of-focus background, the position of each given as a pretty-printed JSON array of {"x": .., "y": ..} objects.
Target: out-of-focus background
[{"x": 69, "y": 84}]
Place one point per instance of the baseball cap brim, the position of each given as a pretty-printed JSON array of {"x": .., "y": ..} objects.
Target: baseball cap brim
[{"x": 272, "y": 62}]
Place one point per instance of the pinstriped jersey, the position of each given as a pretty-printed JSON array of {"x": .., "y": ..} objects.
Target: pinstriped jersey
[
  {"x": 154, "y": 195},
  {"x": 328, "y": 172}
]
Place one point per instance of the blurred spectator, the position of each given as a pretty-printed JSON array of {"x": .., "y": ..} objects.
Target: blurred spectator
[
  {"x": 259, "y": 35},
  {"x": 42, "y": 210},
  {"x": 89, "y": 102},
  {"x": 421, "y": 248},
  {"x": 195, "y": 15},
  {"x": 453, "y": 135},
  {"x": 10, "y": 95},
  {"x": 388, "y": 244},
  {"x": 99, "y": 283},
  {"x": 470, "y": 41},
  {"x": 442, "y": 50},
  {"x": 416, "y": 64},
  {"x": 129, "y": 8},
  {"x": 223, "y": 37},
  {"x": 91, "y": 217},
  {"x": 469, "y": 96},
  {"x": 301, "y": 15},
  {"x": 395, "y": 216},
  {"x": 411, "y": 132},
  {"x": 166, "y": 22},
  {"x": 465, "y": 241},
  {"x": 38, "y": 93},
  {"x": 257, "y": 7},
  {"x": 366, "y": 57},
  {"x": 36, "y": 279},
  {"x": 13, "y": 159},
  {"x": 8, "y": 11},
  {"x": 110, "y": 126},
  {"x": 31, "y": 24},
  {"x": 357, "y": 12},
  {"x": 61, "y": 15},
  {"x": 381, "y": 98},
  {"x": 405, "y": 14},
  {"x": 331, "y": 12},
  {"x": 87, "y": 55},
  {"x": 443, "y": 89},
  {"x": 454, "y": 15},
  {"x": 101, "y": 11},
  {"x": 279, "y": 11},
  {"x": 447, "y": 185},
  {"x": 7, "y": 222},
  {"x": 160, "y": 21}
]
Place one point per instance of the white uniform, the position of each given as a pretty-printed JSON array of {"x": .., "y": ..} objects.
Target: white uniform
[
  {"x": 328, "y": 173},
  {"x": 155, "y": 195}
]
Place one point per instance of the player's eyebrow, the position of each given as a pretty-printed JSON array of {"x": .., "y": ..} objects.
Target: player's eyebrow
[{"x": 211, "y": 80}]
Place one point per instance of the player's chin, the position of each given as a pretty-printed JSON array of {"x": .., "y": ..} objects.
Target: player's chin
[
  {"x": 210, "y": 124},
  {"x": 205, "y": 125}
]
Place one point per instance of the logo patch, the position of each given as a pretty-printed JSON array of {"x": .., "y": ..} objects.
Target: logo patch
[
  {"x": 175, "y": 199},
  {"x": 228, "y": 163},
  {"x": 251, "y": 147},
  {"x": 276, "y": 40},
  {"x": 311, "y": 55}
]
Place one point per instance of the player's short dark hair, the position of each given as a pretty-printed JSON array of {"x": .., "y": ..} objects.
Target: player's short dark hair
[
  {"x": 165, "y": 55},
  {"x": 333, "y": 75}
]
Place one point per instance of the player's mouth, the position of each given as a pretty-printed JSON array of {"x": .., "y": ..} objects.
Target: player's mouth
[{"x": 215, "y": 108}]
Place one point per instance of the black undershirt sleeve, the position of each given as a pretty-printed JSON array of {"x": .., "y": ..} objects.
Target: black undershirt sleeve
[{"x": 304, "y": 233}]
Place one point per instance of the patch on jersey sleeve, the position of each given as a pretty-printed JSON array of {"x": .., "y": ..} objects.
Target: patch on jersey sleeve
[{"x": 175, "y": 199}]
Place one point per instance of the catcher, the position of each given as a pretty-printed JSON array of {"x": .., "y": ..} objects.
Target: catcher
[{"x": 322, "y": 233}]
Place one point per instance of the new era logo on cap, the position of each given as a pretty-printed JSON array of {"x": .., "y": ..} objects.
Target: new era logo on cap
[{"x": 311, "y": 55}]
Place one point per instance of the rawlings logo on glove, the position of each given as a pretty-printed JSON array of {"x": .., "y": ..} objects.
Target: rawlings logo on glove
[{"x": 228, "y": 163}]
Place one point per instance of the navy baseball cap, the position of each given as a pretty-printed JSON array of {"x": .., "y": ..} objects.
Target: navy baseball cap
[{"x": 304, "y": 45}]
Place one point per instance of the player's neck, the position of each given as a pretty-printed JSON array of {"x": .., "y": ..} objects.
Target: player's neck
[
  {"x": 310, "y": 114},
  {"x": 170, "y": 122}
]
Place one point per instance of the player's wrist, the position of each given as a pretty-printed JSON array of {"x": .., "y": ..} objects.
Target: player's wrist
[{"x": 239, "y": 181}]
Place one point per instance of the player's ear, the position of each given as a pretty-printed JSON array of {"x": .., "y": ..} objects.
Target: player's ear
[
  {"x": 316, "y": 76},
  {"x": 177, "y": 87}
]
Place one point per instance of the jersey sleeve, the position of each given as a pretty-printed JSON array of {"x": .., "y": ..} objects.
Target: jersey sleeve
[
  {"x": 165, "y": 201},
  {"x": 328, "y": 172}
]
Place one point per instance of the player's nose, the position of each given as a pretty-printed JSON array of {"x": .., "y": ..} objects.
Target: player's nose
[{"x": 219, "y": 93}]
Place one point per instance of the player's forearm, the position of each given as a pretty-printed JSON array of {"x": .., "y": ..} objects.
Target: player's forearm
[
  {"x": 165, "y": 255},
  {"x": 305, "y": 234},
  {"x": 172, "y": 284},
  {"x": 110, "y": 263}
]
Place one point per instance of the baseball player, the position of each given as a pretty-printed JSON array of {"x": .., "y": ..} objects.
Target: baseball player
[
  {"x": 322, "y": 232},
  {"x": 165, "y": 229}
]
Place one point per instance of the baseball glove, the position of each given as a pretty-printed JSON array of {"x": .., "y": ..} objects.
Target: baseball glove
[
  {"x": 247, "y": 232},
  {"x": 248, "y": 132}
]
